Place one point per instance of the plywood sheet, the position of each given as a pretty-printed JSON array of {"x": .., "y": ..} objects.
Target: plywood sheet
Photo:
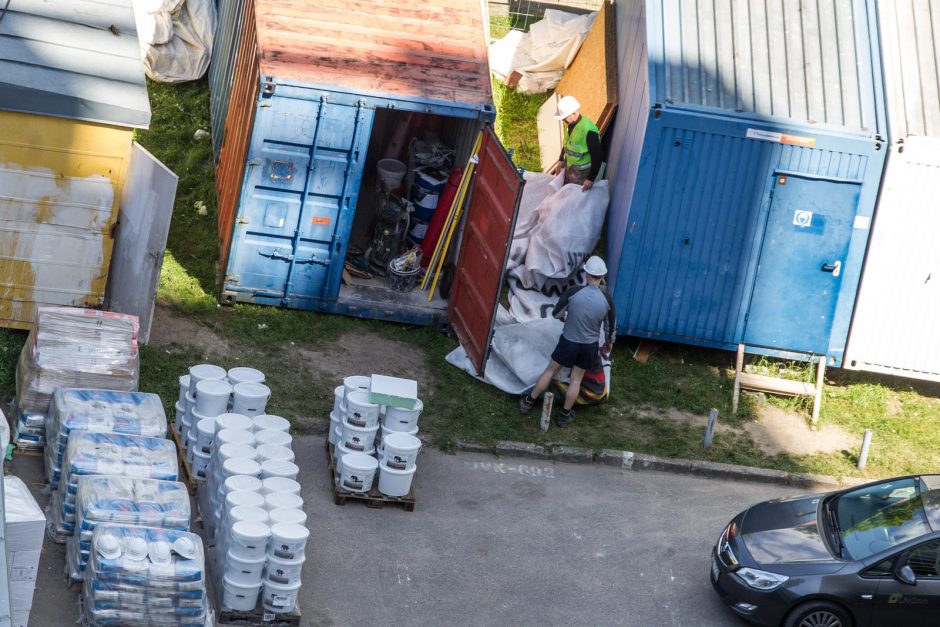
[
  {"x": 551, "y": 133},
  {"x": 592, "y": 77}
]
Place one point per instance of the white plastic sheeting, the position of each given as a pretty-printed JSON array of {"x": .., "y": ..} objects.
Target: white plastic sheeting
[
  {"x": 542, "y": 54},
  {"x": 175, "y": 38}
]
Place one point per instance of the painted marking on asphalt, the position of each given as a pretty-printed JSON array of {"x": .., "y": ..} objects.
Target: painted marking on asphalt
[{"x": 546, "y": 472}]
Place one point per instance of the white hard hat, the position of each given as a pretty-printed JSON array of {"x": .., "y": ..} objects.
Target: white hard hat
[
  {"x": 185, "y": 547},
  {"x": 566, "y": 106},
  {"x": 108, "y": 546},
  {"x": 595, "y": 266},
  {"x": 136, "y": 549},
  {"x": 159, "y": 552}
]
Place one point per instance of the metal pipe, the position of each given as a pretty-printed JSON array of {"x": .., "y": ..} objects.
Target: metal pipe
[{"x": 863, "y": 454}]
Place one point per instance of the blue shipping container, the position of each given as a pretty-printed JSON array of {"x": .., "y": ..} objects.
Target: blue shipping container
[{"x": 745, "y": 162}]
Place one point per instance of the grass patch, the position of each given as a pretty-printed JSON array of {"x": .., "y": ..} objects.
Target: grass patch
[{"x": 516, "y": 126}]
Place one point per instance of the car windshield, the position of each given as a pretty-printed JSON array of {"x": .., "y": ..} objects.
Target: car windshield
[{"x": 878, "y": 517}]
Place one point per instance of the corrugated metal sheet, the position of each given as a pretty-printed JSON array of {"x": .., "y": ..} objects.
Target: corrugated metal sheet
[
  {"x": 629, "y": 127},
  {"x": 895, "y": 328},
  {"x": 433, "y": 49},
  {"x": 60, "y": 181},
  {"x": 238, "y": 125},
  {"x": 801, "y": 60},
  {"x": 911, "y": 58},
  {"x": 222, "y": 67},
  {"x": 76, "y": 59}
]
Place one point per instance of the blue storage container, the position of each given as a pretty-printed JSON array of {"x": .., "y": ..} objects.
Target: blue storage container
[{"x": 744, "y": 164}]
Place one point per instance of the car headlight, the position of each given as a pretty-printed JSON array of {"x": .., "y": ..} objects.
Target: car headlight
[{"x": 760, "y": 579}]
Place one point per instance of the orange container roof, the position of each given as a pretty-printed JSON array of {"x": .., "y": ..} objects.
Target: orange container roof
[{"x": 413, "y": 48}]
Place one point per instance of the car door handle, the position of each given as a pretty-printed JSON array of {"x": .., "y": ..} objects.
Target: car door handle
[
  {"x": 835, "y": 267},
  {"x": 867, "y": 597}
]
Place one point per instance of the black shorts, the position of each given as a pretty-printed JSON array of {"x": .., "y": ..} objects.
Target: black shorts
[{"x": 568, "y": 354}]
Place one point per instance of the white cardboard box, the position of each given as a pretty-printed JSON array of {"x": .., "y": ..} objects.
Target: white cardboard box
[{"x": 25, "y": 529}]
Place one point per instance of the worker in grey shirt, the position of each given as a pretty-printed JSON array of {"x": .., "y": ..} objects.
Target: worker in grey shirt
[{"x": 588, "y": 307}]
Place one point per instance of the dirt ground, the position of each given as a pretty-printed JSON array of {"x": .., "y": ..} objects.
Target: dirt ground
[{"x": 779, "y": 431}]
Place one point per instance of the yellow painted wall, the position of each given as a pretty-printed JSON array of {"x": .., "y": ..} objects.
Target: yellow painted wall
[{"x": 60, "y": 184}]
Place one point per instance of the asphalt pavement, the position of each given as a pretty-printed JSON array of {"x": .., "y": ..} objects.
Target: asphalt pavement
[{"x": 495, "y": 541}]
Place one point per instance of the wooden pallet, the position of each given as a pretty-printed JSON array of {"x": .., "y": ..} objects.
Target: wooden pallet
[
  {"x": 29, "y": 452},
  {"x": 186, "y": 469},
  {"x": 257, "y": 617},
  {"x": 373, "y": 498}
]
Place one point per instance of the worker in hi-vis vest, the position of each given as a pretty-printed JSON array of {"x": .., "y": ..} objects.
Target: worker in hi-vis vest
[{"x": 582, "y": 154}]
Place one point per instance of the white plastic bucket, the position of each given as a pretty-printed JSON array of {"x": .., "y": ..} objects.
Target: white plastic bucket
[
  {"x": 357, "y": 472},
  {"x": 249, "y": 540},
  {"x": 247, "y": 513},
  {"x": 204, "y": 372},
  {"x": 341, "y": 451},
  {"x": 391, "y": 172},
  {"x": 190, "y": 404},
  {"x": 279, "y": 468},
  {"x": 212, "y": 397},
  {"x": 277, "y": 438},
  {"x": 184, "y": 389},
  {"x": 359, "y": 439},
  {"x": 288, "y": 541},
  {"x": 180, "y": 416},
  {"x": 273, "y": 451},
  {"x": 400, "y": 450},
  {"x": 394, "y": 482},
  {"x": 336, "y": 428},
  {"x": 190, "y": 447},
  {"x": 285, "y": 572},
  {"x": 384, "y": 433},
  {"x": 270, "y": 422},
  {"x": 194, "y": 418},
  {"x": 243, "y": 572},
  {"x": 242, "y": 483},
  {"x": 356, "y": 383},
  {"x": 242, "y": 374},
  {"x": 250, "y": 498},
  {"x": 235, "y": 436},
  {"x": 290, "y": 515},
  {"x": 279, "y": 598},
  {"x": 238, "y": 597},
  {"x": 241, "y": 466},
  {"x": 250, "y": 398},
  {"x": 398, "y": 419},
  {"x": 205, "y": 435},
  {"x": 359, "y": 411},
  {"x": 233, "y": 421},
  {"x": 225, "y": 452},
  {"x": 283, "y": 500},
  {"x": 275, "y": 485},
  {"x": 201, "y": 463},
  {"x": 339, "y": 399}
]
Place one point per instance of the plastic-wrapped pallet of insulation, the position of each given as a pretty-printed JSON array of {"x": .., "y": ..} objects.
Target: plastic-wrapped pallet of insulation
[
  {"x": 70, "y": 347},
  {"x": 106, "y": 499},
  {"x": 139, "y": 576},
  {"x": 128, "y": 413},
  {"x": 91, "y": 453}
]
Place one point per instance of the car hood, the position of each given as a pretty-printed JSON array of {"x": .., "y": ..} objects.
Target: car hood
[{"x": 784, "y": 531}]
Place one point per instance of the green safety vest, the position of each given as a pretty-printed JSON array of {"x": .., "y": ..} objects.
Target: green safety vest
[{"x": 576, "y": 148}]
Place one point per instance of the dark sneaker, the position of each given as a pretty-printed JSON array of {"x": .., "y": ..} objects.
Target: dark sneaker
[
  {"x": 564, "y": 418},
  {"x": 526, "y": 403}
]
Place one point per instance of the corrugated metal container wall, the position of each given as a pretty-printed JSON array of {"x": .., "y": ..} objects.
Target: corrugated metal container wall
[
  {"x": 222, "y": 68},
  {"x": 60, "y": 183},
  {"x": 745, "y": 215},
  {"x": 236, "y": 126},
  {"x": 894, "y": 328},
  {"x": 629, "y": 127}
]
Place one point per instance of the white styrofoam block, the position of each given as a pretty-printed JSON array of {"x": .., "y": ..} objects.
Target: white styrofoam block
[
  {"x": 24, "y": 565},
  {"x": 393, "y": 391}
]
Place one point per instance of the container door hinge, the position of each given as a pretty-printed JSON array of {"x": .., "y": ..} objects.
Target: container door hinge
[
  {"x": 267, "y": 91},
  {"x": 242, "y": 220},
  {"x": 254, "y": 161}
]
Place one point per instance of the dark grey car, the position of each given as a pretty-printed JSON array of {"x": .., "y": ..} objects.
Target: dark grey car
[{"x": 863, "y": 556}]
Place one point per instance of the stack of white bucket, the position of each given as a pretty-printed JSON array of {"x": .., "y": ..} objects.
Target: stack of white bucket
[
  {"x": 360, "y": 429},
  {"x": 252, "y": 509}
]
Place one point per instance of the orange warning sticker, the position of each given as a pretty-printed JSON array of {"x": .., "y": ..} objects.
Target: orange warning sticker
[
  {"x": 798, "y": 140},
  {"x": 781, "y": 138},
  {"x": 321, "y": 220}
]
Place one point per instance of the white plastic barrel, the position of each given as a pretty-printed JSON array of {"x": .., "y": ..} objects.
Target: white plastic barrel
[
  {"x": 250, "y": 398},
  {"x": 279, "y": 468},
  {"x": 358, "y": 472},
  {"x": 394, "y": 482},
  {"x": 279, "y": 598},
  {"x": 270, "y": 422},
  {"x": 242, "y": 374},
  {"x": 212, "y": 397},
  {"x": 360, "y": 439},
  {"x": 398, "y": 419},
  {"x": 359, "y": 411},
  {"x": 249, "y": 540},
  {"x": 239, "y": 597},
  {"x": 400, "y": 450}
]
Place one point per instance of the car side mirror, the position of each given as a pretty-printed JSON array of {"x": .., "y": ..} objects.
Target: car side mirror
[{"x": 906, "y": 575}]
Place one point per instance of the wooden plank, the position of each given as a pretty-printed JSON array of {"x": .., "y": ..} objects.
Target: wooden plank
[
  {"x": 551, "y": 133},
  {"x": 763, "y": 383},
  {"x": 592, "y": 77}
]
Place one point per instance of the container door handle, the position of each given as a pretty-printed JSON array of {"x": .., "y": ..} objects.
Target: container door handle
[{"x": 835, "y": 267}]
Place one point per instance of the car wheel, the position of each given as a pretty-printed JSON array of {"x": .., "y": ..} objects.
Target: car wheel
[{"x": 818, "y": 614}]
